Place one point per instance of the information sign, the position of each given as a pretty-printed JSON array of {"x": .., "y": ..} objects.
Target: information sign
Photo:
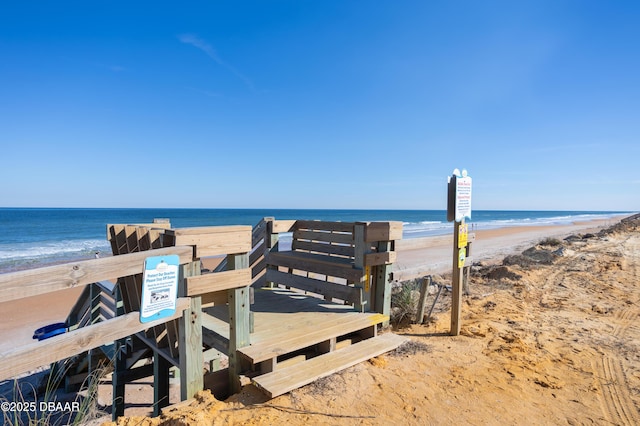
[
  {"x": 462, "y": 256},
  {"x": 463, "y": 235},
  {"x": 159, "y": 287},
  {"x": 463, "y": 198}
]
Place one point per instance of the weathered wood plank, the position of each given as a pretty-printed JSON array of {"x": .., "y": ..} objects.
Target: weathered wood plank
[
  {"x": 383, "y": 231},
  {"x": 31, "y": 282},
  {"x": 338, "y": 291},
  {"x": 218, "y": 281},
  {"x": 384, "y": 258},
  {"x": 159, "y": 225},
  {"x": 301, "y": 337},
  {"x": 280, "y": 226},
  {"x": 259, "y": 232},
  {"x": 317, "y": 263},
  {"x": 339, "y": 250},
  {"x": 321, "y": 225},
  {"x": 215, "y": 299},
  {"x": 258, "y": 253},
  {"x": 28, "y": 357},
  {"x": 331, "y": 237},
  {"x": 258, "y": 268},
  {"x": 364, "y": 282},
  {"x": 422, "y": 301},
  {"x": 287, "y": 379},
  {"x": 239, "y": 320},
  {"x": 190, "y": 347},
  {"x": 382, "y": 277},
  {"x": 214, "y": 240}
]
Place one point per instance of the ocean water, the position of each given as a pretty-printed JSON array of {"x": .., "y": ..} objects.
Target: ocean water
[{"x": 31, "y": 237}]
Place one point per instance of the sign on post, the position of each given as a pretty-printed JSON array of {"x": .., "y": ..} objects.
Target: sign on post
[
  {"x": 463, "y": 235},
  {"x": 458, "y": 209},
  {"x": 159, "y": 287},
  {"x": 463, "y": 197}
]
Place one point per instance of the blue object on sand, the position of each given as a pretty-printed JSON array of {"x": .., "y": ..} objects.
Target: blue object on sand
[{"x": 50, "y": 331}]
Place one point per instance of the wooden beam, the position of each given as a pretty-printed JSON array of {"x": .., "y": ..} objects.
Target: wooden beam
[
  {"x": 422, "y": 302},
  {"x": 383, "y": 231},
  {"x": 28, "y": 357},
  {"x": 190, "y": 341},
  {"x": 322, "y": 247},
  {"x": 279, "y": 226},
  {"x": 160, "y": 383},
  {"x": 327, "y": 236},
  {"x": 218, "y": 281},
  {"x": 363, "y": 282},
  {"x": 239, "y": 320},
  {"x": 214, "y": 240},
  {"x": 316, "y": 263},
  {"x": 31, "y": 282},
  {"x": 456, "y": 286},
  {"x": 258, "y": 233},
  {"x": 191, "y": 359},
  {"x": 338, "y": 291},
  {"x": 321, "y": 225},
  {"x": 215, "y": 299},
  {"x": 382, "y": 278},
  {"x": 384, "y": 258}
]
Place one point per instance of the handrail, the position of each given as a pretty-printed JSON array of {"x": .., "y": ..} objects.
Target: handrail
[
  {"x": 33, "y": 282},
  {"x": 28, "y": 357}
]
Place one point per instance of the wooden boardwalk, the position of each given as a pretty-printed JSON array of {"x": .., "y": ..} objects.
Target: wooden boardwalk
[{"x": 338, "y": 289}]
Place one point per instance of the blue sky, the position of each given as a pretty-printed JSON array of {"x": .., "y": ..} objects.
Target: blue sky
[{"x": 325, "y": 104}]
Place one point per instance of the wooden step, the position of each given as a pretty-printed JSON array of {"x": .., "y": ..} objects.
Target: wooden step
[
  {"x": 302, "y": 337},
  {"x": 287, "y": 379}
]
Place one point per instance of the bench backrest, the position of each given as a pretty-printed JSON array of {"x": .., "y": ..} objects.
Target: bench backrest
[{"x": 328, "y": 238}]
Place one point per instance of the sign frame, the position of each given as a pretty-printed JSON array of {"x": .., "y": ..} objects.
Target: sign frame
[{"x": 159, "y": 287}]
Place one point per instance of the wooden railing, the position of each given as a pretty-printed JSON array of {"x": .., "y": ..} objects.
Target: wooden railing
[
  {"x": 22, "y": 284},
  {"x": 132, "y": 245},
  {"x": 226, "y": 285}
]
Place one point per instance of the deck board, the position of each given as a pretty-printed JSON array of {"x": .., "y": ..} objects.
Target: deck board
[{"x": 288, "y": 320}]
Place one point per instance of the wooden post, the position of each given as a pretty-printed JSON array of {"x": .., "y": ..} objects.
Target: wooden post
[
  {"x": 270, "y": 243},
  {"x": 190, "y": 343},
  {"x": 422, "y": 303},
  {"x": 239, "y": 321},
  {"x": 94, "y": 315},
  {"x": 119, "y": 365},
  {"x": 160, "y": 383},
  {"x": 382, "y": 283},
  {"x": 360, "y": 250},
  {"x": 456, "y": 284}
]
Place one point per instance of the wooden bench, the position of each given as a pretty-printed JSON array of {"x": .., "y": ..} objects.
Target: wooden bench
[{"x": 349, "y": 261}]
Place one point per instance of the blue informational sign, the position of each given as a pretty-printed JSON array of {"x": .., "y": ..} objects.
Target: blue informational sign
[{"x": 159, "y": 287}]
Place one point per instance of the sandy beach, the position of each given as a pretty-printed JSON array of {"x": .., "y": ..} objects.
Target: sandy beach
[{"x": 541, "y": 343}]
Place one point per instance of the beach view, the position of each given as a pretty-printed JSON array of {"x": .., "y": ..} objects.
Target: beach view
[{"x": 327, "y": 213}]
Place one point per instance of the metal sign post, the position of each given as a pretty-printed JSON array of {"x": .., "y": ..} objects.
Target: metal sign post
[{"x": 458, "y": 208}]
